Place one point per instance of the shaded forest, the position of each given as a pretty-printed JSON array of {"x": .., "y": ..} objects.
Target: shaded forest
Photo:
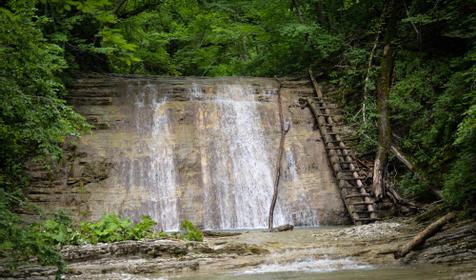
[{"x": 412, "y": 60}]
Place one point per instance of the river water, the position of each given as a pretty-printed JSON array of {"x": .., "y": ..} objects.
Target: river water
[
  {"x": 390, "y": 273},
  {"x": 323, "y": 253}
]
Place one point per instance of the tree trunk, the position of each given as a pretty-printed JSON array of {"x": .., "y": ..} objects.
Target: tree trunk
[
  {"x": 383, "y": 91},
  {"x": 424, "y": 235},
  {"x": 321, "y": 16},
  {"x": 297, "y": 7},
  {"x": 369, "y": 67},
  {"x": 277, "y": 177}
]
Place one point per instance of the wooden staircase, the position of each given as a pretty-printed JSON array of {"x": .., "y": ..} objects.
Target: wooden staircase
[{"x": 357, "y": 200}]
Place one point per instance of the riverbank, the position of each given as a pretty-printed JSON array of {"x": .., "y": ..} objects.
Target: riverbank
[{"x": 366, "y": 250}]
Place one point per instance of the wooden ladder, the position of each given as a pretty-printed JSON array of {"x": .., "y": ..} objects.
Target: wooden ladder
[{"x": 357, "y": 200}]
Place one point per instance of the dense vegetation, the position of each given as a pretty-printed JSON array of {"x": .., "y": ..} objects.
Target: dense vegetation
[{"x": 432, "y": 99}]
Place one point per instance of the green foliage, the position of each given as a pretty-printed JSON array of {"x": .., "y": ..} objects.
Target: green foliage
[
  {"x": 19, "y": 242},
  {"x": 432, "y": 99},
  {"x": 34, "y": 122},
  {"x": 59, "y": 231},
  {"x": 112, "y": 228},
  {"x": 432, "y": 103},
  {"x": 191, "y": 232},
  {"x": 34, "y": 119}
]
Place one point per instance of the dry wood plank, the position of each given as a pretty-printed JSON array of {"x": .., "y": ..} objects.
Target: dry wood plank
[
  {"x": 361, "y": 203},
  {"x": 357, "y": 195},
  {"x": 352, "y": 178},
  {"x": 366, "y": 219}
]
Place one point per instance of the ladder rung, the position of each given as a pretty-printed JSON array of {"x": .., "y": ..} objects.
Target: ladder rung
[
  {"x": 362, "y": 212},
  {"x": 365, "y": 219},
  {"x": 336, "y": 148},
  {"x": 352, "y": 178},
  {"x": 347, "y": 171},
  {"x": 333, "y": 141},
  {"x": 350, "y": 187},
  {"x": 357, "y": 195},
  {"x": 361, "y": 203}
]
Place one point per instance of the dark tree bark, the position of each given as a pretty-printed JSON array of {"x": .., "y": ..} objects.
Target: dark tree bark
[
  {"x": 321, "y": 16},
  {"x": 297, "y": 7},
  {"x": 142, "y": 7},
  {"x": 283, "y": 131},
  {"x": 383, "y": 91}
]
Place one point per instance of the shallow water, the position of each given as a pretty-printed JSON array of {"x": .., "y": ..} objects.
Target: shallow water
[
  {"x": 299, "y": 254},
  {"x": 362, "y": 272}
]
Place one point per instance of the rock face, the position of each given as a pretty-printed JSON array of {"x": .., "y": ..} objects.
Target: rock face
[
  {"x": 198, "y": 149},
  {"x": 101, "y": 261},
  {"x": 454, "y": 244}
]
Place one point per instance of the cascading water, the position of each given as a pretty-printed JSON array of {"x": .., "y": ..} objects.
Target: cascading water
[
  {"x": 241, "y": 170},
  {"x": 221, "y": 176},
  {"x": 155, "y": 171}
]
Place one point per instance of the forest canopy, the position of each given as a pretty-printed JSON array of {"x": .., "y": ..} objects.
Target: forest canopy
[{"x": 432, "y": 99}]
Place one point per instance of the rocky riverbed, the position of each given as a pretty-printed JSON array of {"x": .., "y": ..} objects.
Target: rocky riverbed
[{"x": 364, "y": 248}]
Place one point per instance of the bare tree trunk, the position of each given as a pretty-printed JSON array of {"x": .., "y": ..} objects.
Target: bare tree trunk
[
  {"x": 367, "y": 78},
  {"x": 321, "y": 16},
  {"x": 424, "y": 235},
  {"x": 277, "y": 177},
  {"x": 369, "y": 66},
  {"x": 383, "y": 91},
  {"x": 404, "y": 159},
  {"x": 297, "y": 7},
  {"x": 384, "y": 136}
]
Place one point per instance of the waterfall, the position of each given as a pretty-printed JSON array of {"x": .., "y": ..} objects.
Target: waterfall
[
  {"x": 225, "y": 179},
  {"x": 241, "y": 170},
  {"x": 154, "y": 173}
]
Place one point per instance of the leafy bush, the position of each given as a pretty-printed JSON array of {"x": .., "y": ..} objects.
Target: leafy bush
[
  {"x": 112, "y": 228},
  {"x": 34, "y": 121},
  {"x": 59, "y": 231},
  {"x": 20, "y": 243},
  {"x": 191, "y": 232}
]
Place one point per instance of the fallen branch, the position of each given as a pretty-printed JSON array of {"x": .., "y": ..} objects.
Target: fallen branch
[
  {"x": 423, "y": 235},
  {"x": 412, "y": 168},
  {"x": 277, "y": 177},
  {"x": 398, "y": 200}
]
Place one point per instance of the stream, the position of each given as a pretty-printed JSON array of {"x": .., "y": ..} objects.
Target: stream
[{"x": 322, "y": 253}]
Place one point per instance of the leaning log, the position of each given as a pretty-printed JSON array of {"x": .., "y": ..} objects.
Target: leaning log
[
  {"x": 423, "y": 235},
  {"x": 283, "y": 131}
]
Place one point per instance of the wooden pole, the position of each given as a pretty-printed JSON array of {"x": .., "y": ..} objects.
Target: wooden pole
[
  {"x": 277, "y": 177},
  {"x": 383, "y": 91}
]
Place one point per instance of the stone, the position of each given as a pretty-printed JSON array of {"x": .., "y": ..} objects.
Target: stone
[
  {"x": 108, "y": 169},
  {"x": 282, "y": 228}
]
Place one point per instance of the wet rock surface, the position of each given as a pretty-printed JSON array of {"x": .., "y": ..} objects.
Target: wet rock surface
[
  {"x": 324, "y": 248},
  {"x": 454, "y": 244},
  {"x": 168, "y": 148},
  {"x": 368, "y": 232}
]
